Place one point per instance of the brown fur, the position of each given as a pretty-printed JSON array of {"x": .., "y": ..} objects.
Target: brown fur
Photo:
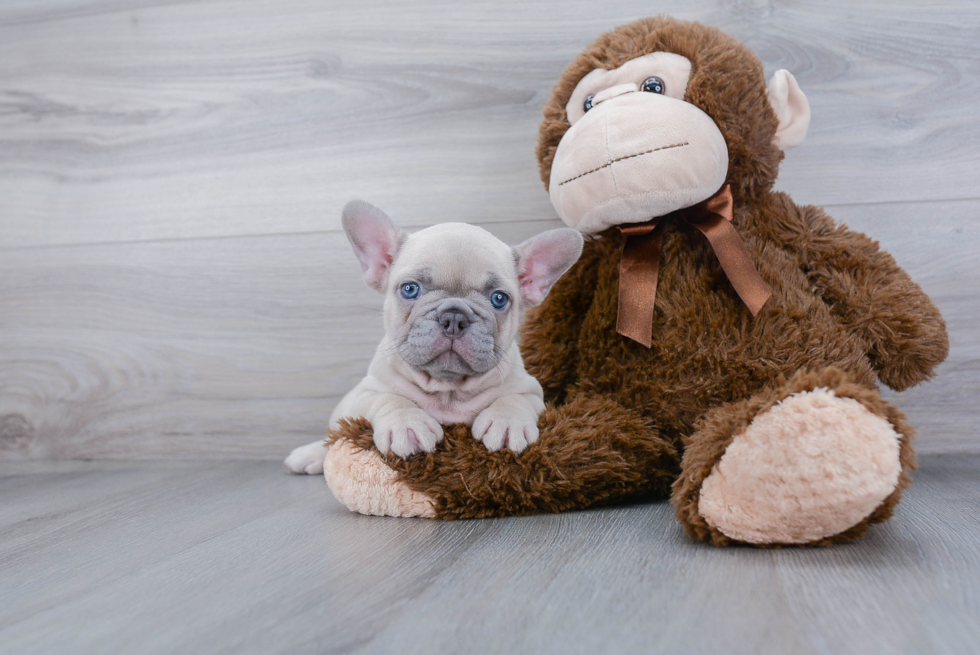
[
  {"x": 577, "y": 462},
  {"x": 842, "y": 315}
]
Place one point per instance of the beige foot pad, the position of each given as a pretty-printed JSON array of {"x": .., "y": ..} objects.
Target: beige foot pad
[
  {"x": 364, "y": 483},
  {"x": 809, "y": 468}
]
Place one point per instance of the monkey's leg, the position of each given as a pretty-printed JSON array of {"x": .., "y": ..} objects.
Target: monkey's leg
[
  {"x": 591, "y": 451},
  {"x": 814, "y": 461}
]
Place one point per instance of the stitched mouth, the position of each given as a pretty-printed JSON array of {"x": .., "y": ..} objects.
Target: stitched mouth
[{"x": 613, "y": 161}]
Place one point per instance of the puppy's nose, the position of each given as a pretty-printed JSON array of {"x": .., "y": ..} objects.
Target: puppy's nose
[{"x": 453, "y": 322}]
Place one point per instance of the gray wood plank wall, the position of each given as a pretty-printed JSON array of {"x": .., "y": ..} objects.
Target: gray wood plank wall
[{"x": 173, "y": 281}]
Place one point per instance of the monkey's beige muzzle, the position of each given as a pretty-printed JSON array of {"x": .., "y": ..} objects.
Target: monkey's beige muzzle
[{"x": 635, "y": 156}]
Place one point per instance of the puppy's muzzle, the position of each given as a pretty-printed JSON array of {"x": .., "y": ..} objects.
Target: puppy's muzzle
[{"x": 454, "y": 317}]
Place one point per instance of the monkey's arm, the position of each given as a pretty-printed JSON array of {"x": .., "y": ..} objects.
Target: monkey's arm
[
  {"x": 549, "y": 338},
  {"x": 874, "y": 298}
]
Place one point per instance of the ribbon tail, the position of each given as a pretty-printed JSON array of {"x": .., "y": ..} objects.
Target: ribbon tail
[
  {"x": 736, "y": 262},
  {"x": 638, "y": 270}
]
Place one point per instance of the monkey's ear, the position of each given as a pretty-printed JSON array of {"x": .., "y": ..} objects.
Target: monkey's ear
[
  {"x": 375, "y": 239},
  {"x": 541, "y": 260},
  {"x": 791, "y": 107}
]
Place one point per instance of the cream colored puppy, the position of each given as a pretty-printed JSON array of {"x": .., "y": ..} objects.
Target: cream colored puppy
[{"x": 454, "y": 299}]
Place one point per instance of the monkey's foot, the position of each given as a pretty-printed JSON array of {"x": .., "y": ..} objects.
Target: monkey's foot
[{"x": 814, "y": 466}]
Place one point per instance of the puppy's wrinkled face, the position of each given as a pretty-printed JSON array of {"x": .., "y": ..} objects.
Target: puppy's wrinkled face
[
  {"x": 454, "y": 293},
  {"x": 452, "y": 306}
]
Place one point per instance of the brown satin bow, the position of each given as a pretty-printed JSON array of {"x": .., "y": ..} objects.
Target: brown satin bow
[{"x": 640, "y": 263}]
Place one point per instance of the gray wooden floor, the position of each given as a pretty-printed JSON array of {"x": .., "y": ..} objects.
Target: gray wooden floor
[{"x": 243, "y": 558}]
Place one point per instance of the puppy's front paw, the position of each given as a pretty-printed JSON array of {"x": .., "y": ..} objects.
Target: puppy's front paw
[
  {"x": 501, "y": 428},
  {"x": 307, "y": 459},
  {"x": 406, "y": 432}
]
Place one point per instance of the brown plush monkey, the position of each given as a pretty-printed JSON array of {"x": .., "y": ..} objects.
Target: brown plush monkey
[{"x": 662, "y": 143}]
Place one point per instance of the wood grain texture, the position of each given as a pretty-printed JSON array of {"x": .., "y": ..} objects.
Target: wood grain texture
[
  {"x": 133, "y": 120},
  {"x": 241, "y": 558},
  {"x": 240, "y": 347},
  {"x": 219, "y": 348},
  {"x": 173, "y": 282}
]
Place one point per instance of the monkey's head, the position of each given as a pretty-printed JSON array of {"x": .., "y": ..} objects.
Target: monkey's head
[{"x": 658, "y": 115}]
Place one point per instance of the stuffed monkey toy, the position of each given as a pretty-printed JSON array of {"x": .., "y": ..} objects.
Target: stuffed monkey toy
[{"x": 716, "y": 344}]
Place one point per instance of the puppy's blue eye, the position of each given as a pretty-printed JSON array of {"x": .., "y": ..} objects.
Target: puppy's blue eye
[
  {"x": 499, "y": 299},
  {"x": 654, "y": 85},
  {"x": 410, "y": 291}
]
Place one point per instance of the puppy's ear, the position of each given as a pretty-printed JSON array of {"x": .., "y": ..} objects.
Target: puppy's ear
[
  {"x": 541, "y": 260},
  {"x": 375, "y": 239}
]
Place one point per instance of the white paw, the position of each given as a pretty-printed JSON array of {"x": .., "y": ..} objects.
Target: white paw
[
  {"x": 307, "y": 459},
  {"x": 406, "y": 432},
  {"x": 499, "y": 428}
]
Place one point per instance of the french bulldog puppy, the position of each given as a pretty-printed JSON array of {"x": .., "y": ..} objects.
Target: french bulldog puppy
[{"x": 454, "y": 299}]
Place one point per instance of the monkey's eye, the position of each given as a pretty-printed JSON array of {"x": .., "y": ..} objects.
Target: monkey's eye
[
  {"x": 654, "y": 85},
  {"x": 410, "y": 291},
  {"x": 499, "y": 299},
  {"x": 588, "y": 102}
]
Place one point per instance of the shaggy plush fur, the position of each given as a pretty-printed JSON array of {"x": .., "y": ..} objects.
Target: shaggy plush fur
[
  {"x": 590, "y": 452},
  {"x": 624, "y": 421}
]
